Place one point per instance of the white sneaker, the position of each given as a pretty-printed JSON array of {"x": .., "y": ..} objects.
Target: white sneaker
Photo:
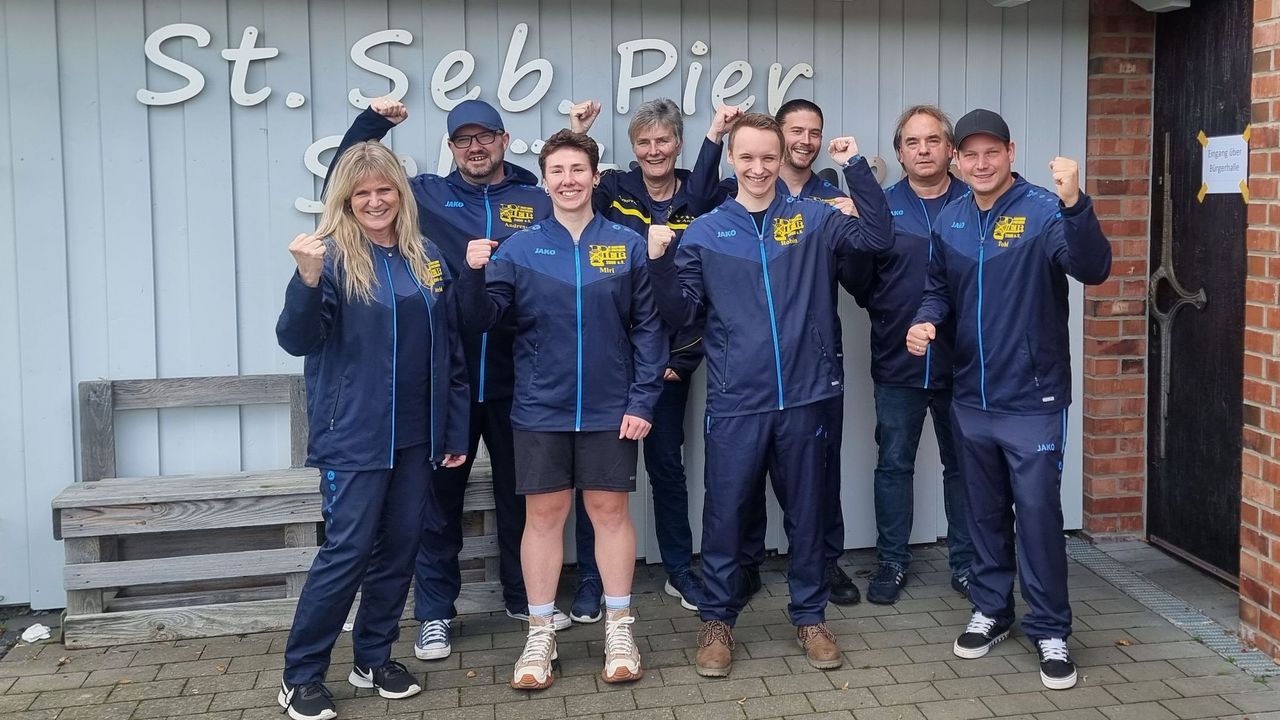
[
  {"x": 559, "y": 619},
  {"x": 433, "y": 640},
  {"x": 533, "y": 669},
  {"x": 621, "y": 657}
]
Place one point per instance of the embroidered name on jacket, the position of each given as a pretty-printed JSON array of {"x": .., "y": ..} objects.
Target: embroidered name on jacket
[
  {"x": 606, "y": 257},
  {"x": 513, "y": 215},
  {"x": 787, "y": 230},
  {"x": 1008, "y": 228}
]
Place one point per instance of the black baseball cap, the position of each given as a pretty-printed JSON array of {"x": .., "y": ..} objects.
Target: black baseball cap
[
  {"x": 473, "y": 112},
  {"x": 981, "y": 122}
]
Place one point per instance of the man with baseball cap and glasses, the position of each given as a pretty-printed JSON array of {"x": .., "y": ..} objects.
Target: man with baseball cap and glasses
[{"x": 1002, "y": 258}]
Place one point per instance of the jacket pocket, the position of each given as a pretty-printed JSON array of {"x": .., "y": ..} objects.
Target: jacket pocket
[
  {"x": 724, "y": 363},
  {"x": 337, "y": 398},
  {"x": 1032, "y": 365}
]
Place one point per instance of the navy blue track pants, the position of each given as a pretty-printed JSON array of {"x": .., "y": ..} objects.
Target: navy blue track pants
[
  {"x": 757, "y": 522},
  {"x": 371, "y": 523},
  {"x": 791, "y": 445},
  {"x": 438, "y": 578},
  {"x": 1012, "y": 469}
]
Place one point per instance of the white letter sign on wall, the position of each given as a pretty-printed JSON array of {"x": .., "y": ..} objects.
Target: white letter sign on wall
[
  {"x": 195, "y": 80},
  {"x": 240, "y": 58},
  {"x": 512, "y": 75},
  {"x": 778, "y": 90},
  {"x": 627, "y": 82},
  {"x": 399, "y": 81},
  {"x": 442, "y": 82},
  {"x": 721, "y": 90}
]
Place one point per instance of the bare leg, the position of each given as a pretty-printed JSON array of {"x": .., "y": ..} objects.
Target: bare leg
[
  {"x": 542, "y": 546},
  {"x": 615, "y": 539}
]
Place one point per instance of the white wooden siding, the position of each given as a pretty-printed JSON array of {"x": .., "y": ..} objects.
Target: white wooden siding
[{"x": 145, "y": 242}]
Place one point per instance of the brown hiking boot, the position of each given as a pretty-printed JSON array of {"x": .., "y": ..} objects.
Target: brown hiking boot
[
  {"x": 715, "y": 649},
  {"x": 819, "y": 645}
]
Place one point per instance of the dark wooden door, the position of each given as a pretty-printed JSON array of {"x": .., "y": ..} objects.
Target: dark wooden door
[{"x": 1202, "y": 76}]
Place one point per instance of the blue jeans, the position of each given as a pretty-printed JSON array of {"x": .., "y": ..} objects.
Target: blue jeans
[
  {"x": 900, "y": 415},
  {"x": 665, "y": 464}
]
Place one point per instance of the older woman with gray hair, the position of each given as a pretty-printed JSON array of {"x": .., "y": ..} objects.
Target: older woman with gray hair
[{"x": 655, "y": 198}]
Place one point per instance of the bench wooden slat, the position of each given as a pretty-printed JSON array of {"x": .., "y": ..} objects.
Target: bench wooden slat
[
  {"x": 199, "y": 621},
  {"x": 216, "y": 566},
  {"x": 201, "y": 391},
  {"x": 191, "y": 515},
  {"x": 262, "y": 483}
]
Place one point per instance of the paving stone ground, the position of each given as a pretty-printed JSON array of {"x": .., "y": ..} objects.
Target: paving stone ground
[{"x": 898, "y": 666}]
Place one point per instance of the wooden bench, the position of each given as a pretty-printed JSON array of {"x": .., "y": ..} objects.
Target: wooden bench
[{"x": 169, "y": 557}]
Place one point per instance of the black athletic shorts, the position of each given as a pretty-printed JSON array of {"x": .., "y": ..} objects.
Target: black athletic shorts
[{"x": 552, "y": 461}]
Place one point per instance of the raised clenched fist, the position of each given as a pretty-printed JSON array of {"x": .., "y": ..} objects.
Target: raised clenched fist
[
  {"x": 583, "y": 115},
  {"x": 479, "y": 251},
  {"x": 725, "y": 117},
  {"x": 393, "y": 110},
  {"x": 308, "y": 252},
  {"x": 842, "y": 148},
  {"x": 660, "y": 237},
  {"x": 1066, "y": 180}
]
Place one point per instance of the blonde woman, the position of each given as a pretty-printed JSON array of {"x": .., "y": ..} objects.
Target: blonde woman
[{"x": 371, "y": 309}]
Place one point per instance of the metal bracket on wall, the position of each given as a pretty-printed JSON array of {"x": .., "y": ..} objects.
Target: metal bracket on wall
[{"x": 1181, "y": 298}]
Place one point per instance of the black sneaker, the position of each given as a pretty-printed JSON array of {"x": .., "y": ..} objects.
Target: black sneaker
[
  {"x": 843, "y": 591},
  {"x": 393, "y": 680},
  {"x": 1057, "y": 671},
  {"x": 982, "y": 634},
  {"x": 960, "y": 583},
  {"x": 308, "y": 701},
  {"x": 885, "y": 585},
  {"x": 748, "y": 584},
  {"x": 687, "y": 587},
  {"x": 587, "y": 601}
]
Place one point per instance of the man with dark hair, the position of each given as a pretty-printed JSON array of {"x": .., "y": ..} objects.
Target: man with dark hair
[
  {"x": 762, "y": 266},
  {"x": 906, "y": 387},
  {"x": 485, "y": 197},
  {"x": 1002, "y": 257}
]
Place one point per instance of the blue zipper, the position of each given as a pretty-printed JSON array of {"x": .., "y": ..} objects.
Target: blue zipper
[
  {"x": 394, "y": 345},
  {"x": 928, "y": 350},
  {"x": 431, "y": 358},
  {"x": 577, "y": 272},
  {"x": 982, "y": 359},
  {"x": 484, "y": 337},
  {"x": 773, "y": 318}
]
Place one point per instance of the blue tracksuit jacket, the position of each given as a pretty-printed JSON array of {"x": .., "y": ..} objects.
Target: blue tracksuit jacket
[
  {"x": 890, "y": 288},
  {"x": 1004, "y": 279},
  {"x": 590, "y": 346},
  {"x": 768, "y": 296},
  {"x": 453, "y": 212},
  {"x": 623, "y": 198},
  {"x": 350, "y": 366}
]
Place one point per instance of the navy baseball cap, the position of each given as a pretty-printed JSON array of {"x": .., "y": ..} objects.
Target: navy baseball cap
[
  {"x": 981, "y": 122},
  {"x": 473, "y": 112}
]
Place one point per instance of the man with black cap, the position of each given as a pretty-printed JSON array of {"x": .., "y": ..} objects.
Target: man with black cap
[
  {"x": 485, "y": 197},
  {"x": 1002, "y": 257}
]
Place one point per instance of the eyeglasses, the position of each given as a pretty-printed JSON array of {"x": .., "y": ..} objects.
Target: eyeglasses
[{"x": 464, "y": 141}]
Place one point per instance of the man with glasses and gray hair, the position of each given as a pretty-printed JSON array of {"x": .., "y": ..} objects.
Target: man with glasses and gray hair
[{"x": 485, "y": 197}]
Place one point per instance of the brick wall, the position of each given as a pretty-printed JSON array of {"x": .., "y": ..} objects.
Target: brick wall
[
  {"x": 1118, "y": 171},
  {"x": 1260, "y": 499}
]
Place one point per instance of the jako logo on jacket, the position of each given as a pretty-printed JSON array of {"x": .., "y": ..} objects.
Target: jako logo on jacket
[
  {"x": 1008, "y": 295},
  {"x": 589, "y": 345}
]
